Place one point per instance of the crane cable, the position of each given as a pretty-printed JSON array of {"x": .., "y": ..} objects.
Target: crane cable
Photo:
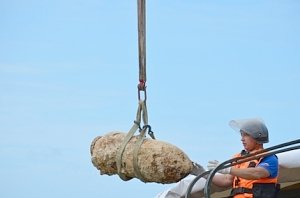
[{"x": 142, "y": 113}]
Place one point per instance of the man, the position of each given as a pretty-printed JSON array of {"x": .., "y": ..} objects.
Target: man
[{"x": 256, "y": 178}]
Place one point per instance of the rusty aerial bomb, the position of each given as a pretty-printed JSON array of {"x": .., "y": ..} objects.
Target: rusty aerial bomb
[{"x": 157, "y": 161}]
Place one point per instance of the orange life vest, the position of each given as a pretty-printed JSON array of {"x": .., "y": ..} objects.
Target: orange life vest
[{"x": 242, "y": 188}]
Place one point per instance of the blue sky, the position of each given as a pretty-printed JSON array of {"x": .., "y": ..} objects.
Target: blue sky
[{"x": 69, "y": 71}]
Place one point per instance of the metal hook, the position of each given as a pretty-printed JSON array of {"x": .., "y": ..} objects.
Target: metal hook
[{"x": 150, "y": 132}]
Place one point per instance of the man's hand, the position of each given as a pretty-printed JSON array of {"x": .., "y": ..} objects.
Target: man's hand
[
  {"x": 197, "y": 170},
  {"x": 213, "y": 164}
]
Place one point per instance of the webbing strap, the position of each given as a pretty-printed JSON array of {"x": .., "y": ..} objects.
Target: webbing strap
[
  {"x": 144, "y": 112},
  {"x": 136, "y": 150},
  {"x": 122, "y": 148},
  {"x": 141, "y": 114}
]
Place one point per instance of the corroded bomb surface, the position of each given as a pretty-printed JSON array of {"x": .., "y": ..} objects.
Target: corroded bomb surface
[{"x": 158, "y": 161}]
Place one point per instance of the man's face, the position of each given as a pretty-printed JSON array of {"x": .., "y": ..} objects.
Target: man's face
[{"x": 248, "y": 142}]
